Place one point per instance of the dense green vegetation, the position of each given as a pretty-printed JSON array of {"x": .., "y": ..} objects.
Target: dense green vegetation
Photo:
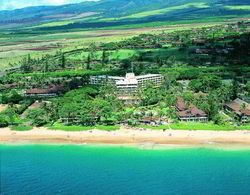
[
  {"x": 206, "y": 66},
  {"x": 83, "y": 128},
  {"x": 66, "y": 27},
  {"x": 21, "y": 128}
]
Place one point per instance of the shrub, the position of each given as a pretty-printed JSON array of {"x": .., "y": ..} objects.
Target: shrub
[
  {"x": 11, "y": 97},
  {"x": 3, "y": 121},
  {"x": 21, "y": 128},
  {"x": 38, "y": 117}
]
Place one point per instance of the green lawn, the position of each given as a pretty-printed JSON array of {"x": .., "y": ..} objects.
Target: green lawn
[
  {"x": 177, "y": 126},
  {"x": 161, "y": 127},
  {"x": 238, "y": 7},
  {"x": 202, "y": 126},
  {"x": 197, "y": 126},
  {"x": 83, "y": 128},
  {"x": 21, "y": 128},
  {"x": 245, "y": 127},
  {"x": 113, "y": 55}
]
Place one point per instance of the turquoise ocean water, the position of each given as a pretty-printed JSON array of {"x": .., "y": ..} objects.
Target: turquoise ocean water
[{"x": 71, "y": 169}]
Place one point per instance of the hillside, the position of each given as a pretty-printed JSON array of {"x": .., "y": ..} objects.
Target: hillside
[
  {"x": 113, "y": 13},
  {"x": 43, "y": 30}
]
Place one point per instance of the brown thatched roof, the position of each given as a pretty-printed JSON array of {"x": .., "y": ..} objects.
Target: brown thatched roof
[
  {"x": 237, "y": 105},
  {"x": 188, "y": 111},
  {"x": 51, "y": 90}
]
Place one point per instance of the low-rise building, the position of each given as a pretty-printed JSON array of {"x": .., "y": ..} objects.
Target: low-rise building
[
  {"x": 130, "y": 100},
  {"x": 151, "y": 121},
  {"x": 189, "y": 113},
  {"x": 52, "y": 91},
  {"x": 199, "y": 41},
  {"x": 102, "y": 79},
  {"x": 240, "y": 108},
  {"x": 98, "y": 80},
  {"x": 203, "y": 51}
]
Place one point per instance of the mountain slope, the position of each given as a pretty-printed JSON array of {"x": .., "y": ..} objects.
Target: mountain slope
[{"x": 106, "y": 13}]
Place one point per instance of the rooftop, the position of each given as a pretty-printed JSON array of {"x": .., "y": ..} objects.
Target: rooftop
[
  {"x": 129, "y": 79},
  {"x": 50, "y": 90},
  {"x": 237, "y": 106},
  {"x": 188, "y": 111},
  {"x": 128, "y": 98}
]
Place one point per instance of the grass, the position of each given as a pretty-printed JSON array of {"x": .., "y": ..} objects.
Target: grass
[
  {"x": 15, "y": 47},
  {"x": 197, "y": 126},
  {"x": 238, "y": 7},
  {"x": 161, "y": 127},
  {"x": 202, "y": 126},
  {"x": 62, "y": 127},
  {"x": 162, "y": 11},
  {"x": 66, "y": 73},
  {"x": 21, "y": 128},
  {"x": 245, "y": 127},
  {"x": 176, "y": 126},
  {"x": 113, "y": 55}
]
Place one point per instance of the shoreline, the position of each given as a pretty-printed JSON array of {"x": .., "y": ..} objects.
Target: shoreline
[{"x": 129, "y": 136}]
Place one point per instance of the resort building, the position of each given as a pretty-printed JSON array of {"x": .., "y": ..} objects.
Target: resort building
[
  {"x": 156, "y": 79},
  {"x": 52, "y": 91},
  {"x": 129, "y": 100},
  {"x": 128, "y": 84},
  {"x": 240, "y": 108},
  {"x": 189, "y": 113},
  {"x": 98, "y": 80},
  {"x": 103, "y": 79},
  {"x": 151, "y": 121}
]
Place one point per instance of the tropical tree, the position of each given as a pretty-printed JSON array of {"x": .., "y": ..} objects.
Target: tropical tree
[
  {"x": 38, "y": 117},
  {"x": 248, "y": 87},
  {"x": 104, "y": 57},
  {"x": 3, "y": 121},
  {"x": 12, "y": 97},
  {"x": 88, "y": 61},
  {"x": 150, "y": 94},
  {"x": 63, "y": 61},
  {"x": 126, "y": 65},
  {"x": 205, "y": 83},
  {"x": 170, "y": 79}
]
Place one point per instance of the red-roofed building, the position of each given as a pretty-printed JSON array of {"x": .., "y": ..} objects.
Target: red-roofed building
[
  {"x": 49, "y": 92},
  {"x": 240, "y": 108},
  {"x": 189, "y": 113}
]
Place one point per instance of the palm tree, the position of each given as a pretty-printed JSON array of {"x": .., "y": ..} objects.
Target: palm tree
[{"x": 243, "y": 107}]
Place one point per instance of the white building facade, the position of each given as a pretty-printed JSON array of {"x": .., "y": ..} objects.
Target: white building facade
[{"x": 130, "y": 83}]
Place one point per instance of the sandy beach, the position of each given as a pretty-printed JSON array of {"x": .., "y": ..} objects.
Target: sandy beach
[{"x": 128, "y": 136}]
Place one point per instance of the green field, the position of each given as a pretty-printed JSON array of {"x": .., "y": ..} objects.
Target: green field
[
  {"x": 177, "y": 126},
  {"x": 197, "y": 126},
  {"x": 238, "y": 7},
  {"x": 39, "y": 40},
  {"x": 21, "y": 128},
  {"x": 83, "y": 128},
  {"x": 13, "y": 49},
  {"x": 164, "y": 11}
]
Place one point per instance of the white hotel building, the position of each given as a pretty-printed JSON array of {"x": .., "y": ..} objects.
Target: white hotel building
[{"x": 130, "y": 83}]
